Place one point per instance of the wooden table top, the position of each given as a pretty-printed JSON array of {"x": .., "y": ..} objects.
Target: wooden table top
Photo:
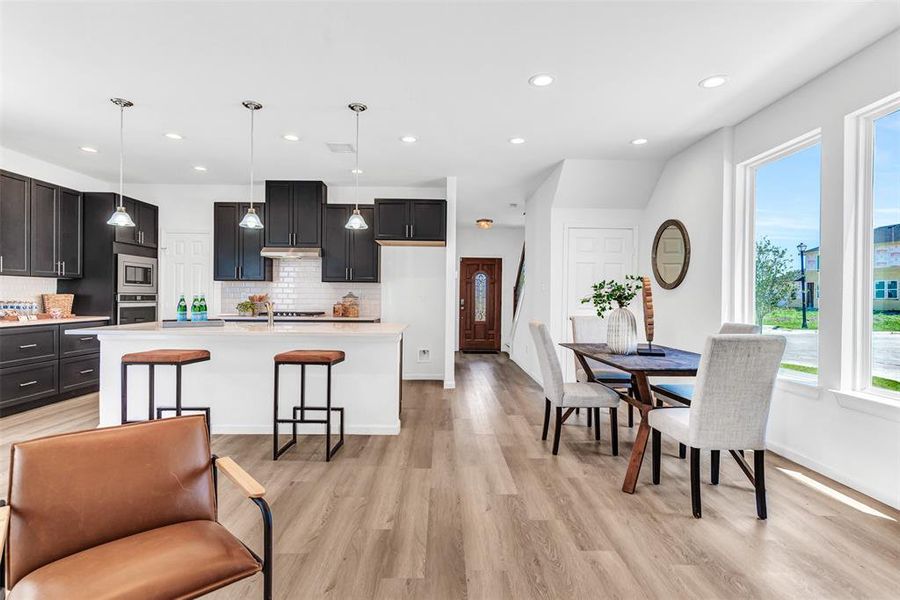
[{"x": 675, "y": 362}]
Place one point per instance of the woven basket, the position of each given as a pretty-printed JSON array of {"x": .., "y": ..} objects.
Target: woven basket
[{"x": 61, "y": 301}]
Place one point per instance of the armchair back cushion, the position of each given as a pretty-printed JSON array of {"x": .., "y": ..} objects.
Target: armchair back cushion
[
  {"x": 589, "y": 329},
  {"x": 75, "y": 491},
  {"x": 551, "y": 373},
  {"x": 746, "y": 328},
  {"x": 735, "y": 379}
]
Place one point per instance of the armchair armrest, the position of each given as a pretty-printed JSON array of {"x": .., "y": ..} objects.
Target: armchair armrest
[
  {"x": 240, "y": 477},
  {"x": 4, "y": 524}
]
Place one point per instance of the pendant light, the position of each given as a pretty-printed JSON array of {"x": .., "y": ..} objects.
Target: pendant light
[
  {"x": 251, "y": 219},
  {"x": 121, "y": 218},
  {"x": 356, "y": 220}
]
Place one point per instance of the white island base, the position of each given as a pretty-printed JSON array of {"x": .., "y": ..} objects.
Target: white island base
[{"x": 237, "y": 382}]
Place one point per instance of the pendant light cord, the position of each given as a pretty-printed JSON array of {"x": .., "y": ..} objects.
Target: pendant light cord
[
  {"x": 121, "y": 154},
  {"x": 251, "y": 157},
  {"x": 356, "y": 171}
]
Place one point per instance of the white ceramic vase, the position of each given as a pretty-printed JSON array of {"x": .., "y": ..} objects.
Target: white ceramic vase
[{"x": 621, "y": 333}]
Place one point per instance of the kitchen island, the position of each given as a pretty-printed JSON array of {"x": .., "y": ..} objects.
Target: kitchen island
[{"x": 237, "y": 382}]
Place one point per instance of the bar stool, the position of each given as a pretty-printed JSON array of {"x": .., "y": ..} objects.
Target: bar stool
[
  {"x": 153, "y": 358},
  {"x": 326, "y": 358}
]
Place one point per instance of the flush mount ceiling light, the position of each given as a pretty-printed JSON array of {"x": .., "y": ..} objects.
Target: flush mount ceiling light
[
  {"x": 174, "y": 136},
  {"x": 88, "y": 149},
  {"x": 541, "y": 79},
  {"x": 291, "y": 137},
  {"x": 639, "y": 141},
  {"x": 713, "y": 81},
  {"x": 199, "y": 168},
  {"x": 251, "y": 219},
  {"x": 356, "y": 171},
  {"x": 121, "y": 218},
  {"x": 516, "y": 140},
  {"x": 356, "y": 220},
  {"x": 409, "y": 139},
  {"x": 485, "y": 223}
]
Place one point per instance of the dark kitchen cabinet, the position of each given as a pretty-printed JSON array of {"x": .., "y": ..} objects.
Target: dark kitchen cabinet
[
  {"x": 348, "y": 254},
  {"x": 236, "y": 251},
  {"x": 294, "y": 214},
  {"x": 146, "y": 223},
  {"x": 15, "y": 224},
  {"x": 70, "y": 226},
  {"x": 44, "y": 208},
  {"x": 410, "y": 222}
]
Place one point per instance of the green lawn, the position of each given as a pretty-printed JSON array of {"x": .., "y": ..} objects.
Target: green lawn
[
  {"x": 790, "y": 318},
  {"x": 879, "y": 382}
]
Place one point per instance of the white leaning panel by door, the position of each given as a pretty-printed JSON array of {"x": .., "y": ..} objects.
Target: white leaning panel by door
[
  {"x": 185, "y": 269},
  {"x": 593, "y": 254}
]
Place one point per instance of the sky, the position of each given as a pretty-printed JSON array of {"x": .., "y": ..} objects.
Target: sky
[{"x": 787, "y": 190}]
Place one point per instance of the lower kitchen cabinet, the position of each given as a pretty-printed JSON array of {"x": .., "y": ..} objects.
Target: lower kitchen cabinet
[
  {"x": 349, "y": 254},
  {"x": 79, "y": 372},
  {"x": 27, "y": 384}
]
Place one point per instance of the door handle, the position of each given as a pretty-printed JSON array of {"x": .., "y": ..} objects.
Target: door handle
[
  {"x": 86, "y": 339},
  {"x": 412, "y": 231},
  {"x": 27, "y": 383},
  {"x": 86, "y": 371},
  {"x": 1, "y": 264},
  {"x": 27, "y": 346},
  {"x": 347, "y": 273},
  {"x": 240, "y": 272},
  {"x": 235, "y": 272},
  {"x": 351, "y": 273},
  {"x": 63, "y": 267}
]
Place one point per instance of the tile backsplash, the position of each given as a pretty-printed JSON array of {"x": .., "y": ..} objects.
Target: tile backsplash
[
  {"x": 298, "y": 285},
  {"x": 26, "y": 288}
]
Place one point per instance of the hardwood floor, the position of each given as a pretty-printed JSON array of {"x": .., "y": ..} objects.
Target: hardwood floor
[{"x": 468, "y": 502}]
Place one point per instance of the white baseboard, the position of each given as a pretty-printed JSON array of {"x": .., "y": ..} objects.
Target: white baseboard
[
  {"x": 423, "y": 376},
  {"x": 822, "y": 469},
  {"x": 449, "y": 385}
]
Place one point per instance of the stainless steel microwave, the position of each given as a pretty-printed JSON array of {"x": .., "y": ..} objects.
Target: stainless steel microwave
[{"x": 136, "y": 274}]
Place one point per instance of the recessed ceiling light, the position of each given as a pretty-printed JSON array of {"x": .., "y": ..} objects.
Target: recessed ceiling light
[
  {"x": 174, "y": 136},
  {"x": 409, "y": 139},
  {"x": 291, "y": 137},
  {"x": 516, "y": 140},
  {"x": 639, "y": 142},
  {"x": 713, "y": 81},
  {"x": 541, "y": 80},
  {"x": 356, "y": 171},
  {"x": 199, "y": 168},
  {"x": 89, "y": 150}
]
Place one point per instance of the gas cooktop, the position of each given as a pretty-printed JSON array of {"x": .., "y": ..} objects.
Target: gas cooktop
[{"x": 297, "y": 313}]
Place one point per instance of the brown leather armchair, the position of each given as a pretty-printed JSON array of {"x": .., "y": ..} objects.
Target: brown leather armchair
[{"x": 125, "y": 512}]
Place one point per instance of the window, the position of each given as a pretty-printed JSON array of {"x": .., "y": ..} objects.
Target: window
[
  {"x": 786, "y": 201},
  {"x": 480, "y": 297},
  {"x": 885, "y": 194}
]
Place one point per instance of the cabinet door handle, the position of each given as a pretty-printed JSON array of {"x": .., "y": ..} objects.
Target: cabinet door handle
[
  {"x": 63, "y": 267},
  {"x": 27, "y": 383},
  {"x": 412, "y": 231},
  {"x": 86, "y": 371},
  {"x": 346, "y": 272},
  {"x": 351, "y": 273},
  {"x": 86, "y": 339},
  {"x": 27, "y": 346},
  {"x": 235, "y": 272},
  {"x": 1, "y": 264},
  {"x": 240, "y": 272}
]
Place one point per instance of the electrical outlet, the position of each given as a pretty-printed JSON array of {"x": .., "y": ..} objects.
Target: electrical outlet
[{"x": 424, "y": 355}]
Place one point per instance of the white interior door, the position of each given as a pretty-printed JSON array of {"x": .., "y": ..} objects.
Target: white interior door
[
  {"x": 593, "y": 254},
  {"x": 185, "y": 270}
]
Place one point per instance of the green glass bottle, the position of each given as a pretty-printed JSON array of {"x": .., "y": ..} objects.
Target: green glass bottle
[
  {"x": 195, "y": 309},
  {"x": 182, "y": 309},
  {"x": 204, "y": 316}
]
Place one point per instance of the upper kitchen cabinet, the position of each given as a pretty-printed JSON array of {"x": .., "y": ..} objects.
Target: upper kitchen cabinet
[
  {"x": 294, "y": 214},
  {"x": 349, "y": 254},
  {"x": 236, "y": 250},
  {"x": 146, "y": 221},
  {"x": 70, "y": 227},
  {"x": 410, "y": 222},
  {"x": 55, "y": 231},
  {"x": 15, "y": 224}
]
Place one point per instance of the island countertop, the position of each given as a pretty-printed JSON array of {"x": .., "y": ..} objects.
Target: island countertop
[{"x": 248, "y": 329}]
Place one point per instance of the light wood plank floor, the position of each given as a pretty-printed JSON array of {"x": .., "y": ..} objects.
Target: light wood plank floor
[{"x": 468, "y": 502}]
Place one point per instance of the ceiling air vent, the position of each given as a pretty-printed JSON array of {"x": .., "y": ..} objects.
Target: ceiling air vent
[{"x": 340, "y": 148}]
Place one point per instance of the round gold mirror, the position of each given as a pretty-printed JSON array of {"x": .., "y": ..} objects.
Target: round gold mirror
[{"x": 671, "y": 254}]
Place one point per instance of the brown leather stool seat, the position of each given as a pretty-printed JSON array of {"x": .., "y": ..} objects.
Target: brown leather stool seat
[
  {"x": 183, "y": 560},
  {"x": 310, "y": 357},
  {"x": 165, "y": 357}
]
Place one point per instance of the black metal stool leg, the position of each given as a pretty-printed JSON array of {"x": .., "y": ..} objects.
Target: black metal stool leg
[
  {"x": 124, "y": 413},
  {"x": 275, "y": 417},
  {"x": 178, "y": 390},
  {"x": 328, "y": 418},
  {"x": 150, "y": 391}
]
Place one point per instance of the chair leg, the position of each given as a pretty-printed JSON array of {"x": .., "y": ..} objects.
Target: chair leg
[
  {"x": 124, "y": 414},
  {"x": 630, "y": 415},
  {"x": 328, "y": 418},
  {"x": 759, "y": 477},
  {"x": 614, "y": 430},
  {"x": 546, "y": 419},
  {"x": 714, "y": 466},
  {"x": 559, "y": 420},
  {"x": 275, "y": 417},
  {"x": 151, "y": 392},
  {"x": 590, "y": 414},
  {"x": 596, "y": 412},
  {"x": 682, "y": 451},
  {"x": 657, "y": 454},
  {"x": 695, "y": 482}
]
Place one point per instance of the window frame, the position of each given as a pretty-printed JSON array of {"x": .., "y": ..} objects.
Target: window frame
[
  {"x": 859, "y": 266},
  {"x": 744, "y": 298}
]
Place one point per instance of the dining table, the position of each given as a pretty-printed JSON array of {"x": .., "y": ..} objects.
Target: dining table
[{"x": 673, "y": 363}]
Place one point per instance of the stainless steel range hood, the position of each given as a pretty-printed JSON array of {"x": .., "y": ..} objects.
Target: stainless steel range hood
[{"x": 291, "y": 253}]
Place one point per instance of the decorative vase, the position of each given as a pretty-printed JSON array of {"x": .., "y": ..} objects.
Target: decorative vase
[{"x": 621, "y": 333}]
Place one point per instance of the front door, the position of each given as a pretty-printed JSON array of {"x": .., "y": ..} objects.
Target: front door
[{"x": 479, "y": 304}]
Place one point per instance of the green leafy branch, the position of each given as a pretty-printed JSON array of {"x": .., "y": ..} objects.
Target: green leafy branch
[{"x": 609, "y": 292}]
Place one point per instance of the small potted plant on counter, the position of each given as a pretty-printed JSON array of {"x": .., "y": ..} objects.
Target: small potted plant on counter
[
  {"x": 245, "y": 308},
  {"x": 621, "y": 333}
]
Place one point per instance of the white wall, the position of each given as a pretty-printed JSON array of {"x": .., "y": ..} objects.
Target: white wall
[
  {"x": 10, "y": 160},
  {"x": 498, "y": 242}
]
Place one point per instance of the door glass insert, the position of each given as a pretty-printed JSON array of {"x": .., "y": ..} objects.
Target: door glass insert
[{"x": 480, "y": 296}]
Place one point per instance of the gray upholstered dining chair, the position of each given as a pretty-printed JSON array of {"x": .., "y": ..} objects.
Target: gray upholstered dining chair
[
  {"x": 729, "y": 409},
  {"x": 569, "y": 396},
  {"x": 591, "y": 329}
]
